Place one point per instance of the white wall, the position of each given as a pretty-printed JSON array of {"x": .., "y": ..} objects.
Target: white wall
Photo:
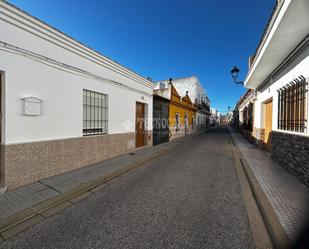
[
  {"x": 201, "y": 118},
  {"x": 301, "y": 67},
  {"x": 61, "y": 90}
]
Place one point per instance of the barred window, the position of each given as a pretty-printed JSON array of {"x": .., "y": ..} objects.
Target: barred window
[
  {"x": 95, "y": 113},
  {"x": 292, "y": 106}
]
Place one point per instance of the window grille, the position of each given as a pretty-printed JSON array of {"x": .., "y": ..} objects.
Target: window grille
[
  {"x": 292, "y": 106},
  {"x": 95, "y": 113}
]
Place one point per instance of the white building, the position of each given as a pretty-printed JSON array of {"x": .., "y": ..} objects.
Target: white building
[
  {"x": 213, "y": 117},
  {"x": 64, "y": 106},
  {"x": 279, "y": 74},
  {"x": 197, "y": 95}
]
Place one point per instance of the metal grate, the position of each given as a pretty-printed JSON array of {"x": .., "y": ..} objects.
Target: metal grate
[
  {"x": 292, "y": 106},
  {"x": 95, "y": 113}
]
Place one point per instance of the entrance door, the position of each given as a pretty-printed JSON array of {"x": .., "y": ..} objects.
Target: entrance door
[
  {"x": 160, "y": 121},
  {"x": 140, "y": 125},
  {"x": 268, "y": 122}
]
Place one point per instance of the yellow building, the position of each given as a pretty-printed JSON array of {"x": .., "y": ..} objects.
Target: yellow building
[
  {"x": 182, "y": 114},
  {"x": 182, "y": 111}
]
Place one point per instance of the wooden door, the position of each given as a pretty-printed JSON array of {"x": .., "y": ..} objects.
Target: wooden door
[
  {"x": 140, "y": 125},
  {"x": 268, "y": 122}
]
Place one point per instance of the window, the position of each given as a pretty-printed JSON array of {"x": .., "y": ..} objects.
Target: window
[
  {"x": 177, "y": 121},
  {"x": 186, "y": 120},
  {"x": 292, "y": 106},
  {"x": 95, "y": 113}
]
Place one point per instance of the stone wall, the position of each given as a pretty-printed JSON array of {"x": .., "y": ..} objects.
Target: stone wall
[
  {"x": 255, "y": 137},
  {"x": 259, "y": 134},
  {"x": 292, "y": 152},
  {"x": 29, "y": 162}
]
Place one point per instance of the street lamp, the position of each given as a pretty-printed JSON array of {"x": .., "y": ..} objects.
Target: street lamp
[{"x": 234, "y": 73}]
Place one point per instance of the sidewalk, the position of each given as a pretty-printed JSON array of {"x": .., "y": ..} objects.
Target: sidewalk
[
  {"x": 21, "y": 204},
  {"x": 288, "y": 197}
]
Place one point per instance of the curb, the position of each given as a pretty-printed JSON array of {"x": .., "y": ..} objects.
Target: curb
[
  {"x": 276, "y": 231},
  {"x": 22, "y": 220}
]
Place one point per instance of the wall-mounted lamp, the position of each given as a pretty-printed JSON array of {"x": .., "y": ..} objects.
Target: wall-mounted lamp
[{"x": 234, "y": 73}]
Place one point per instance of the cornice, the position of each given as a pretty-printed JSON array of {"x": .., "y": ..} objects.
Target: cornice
[
  {"x": 269, "y": 26},
  {"x": 63, "y": 67},
  {"x": 26, "y": 22},
  {"x": 304, "y": 44}
]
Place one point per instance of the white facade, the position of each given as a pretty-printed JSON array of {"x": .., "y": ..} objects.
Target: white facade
[
  {"x": 39, "y": 61},
  {"x": 195, "y": 91},
  {"x": 282, "y": 56},
  {"x": 64, "y": 106},
  {"x": 214, "y": 117}
]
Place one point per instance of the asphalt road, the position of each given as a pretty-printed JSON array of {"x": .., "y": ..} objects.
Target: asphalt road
[{"x": 188, "y": 199}]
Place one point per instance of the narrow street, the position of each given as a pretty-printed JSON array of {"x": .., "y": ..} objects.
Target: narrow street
[{"x": 192, "y": 201}]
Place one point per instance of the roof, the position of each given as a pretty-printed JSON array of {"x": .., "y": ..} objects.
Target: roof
[
  {"x": 9, "y": 6},
  {"x": 266, "y": 29},
  {"x": 282, "y": 35}
]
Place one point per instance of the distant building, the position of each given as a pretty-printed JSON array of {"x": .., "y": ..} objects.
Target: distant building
[
  {"x": 182, "y": 111},
  {"x": 244, "y": 116},
  {"x": 197, "y": 94},
  {"x": 214, "y": 117}
]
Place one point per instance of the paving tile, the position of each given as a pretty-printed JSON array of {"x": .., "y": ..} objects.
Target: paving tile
[
  {"x": 29, "y": 189},
  {"x": 63, "y": 186},
  {"x": 42, "y": 195},
  {"x": 288, "y": 197}
]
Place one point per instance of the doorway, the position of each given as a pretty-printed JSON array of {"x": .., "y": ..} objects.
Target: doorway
[
  {"x": 186, "y": 124},
  {"x": 268, "y": 122},
  {"x": 140, "y": 125}
]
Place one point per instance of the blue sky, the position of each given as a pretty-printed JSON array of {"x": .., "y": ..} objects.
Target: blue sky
[{"x": 166, "y": 38}]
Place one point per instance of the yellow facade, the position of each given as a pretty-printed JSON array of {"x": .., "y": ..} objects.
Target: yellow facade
[{"x": 182, "y": 113}]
